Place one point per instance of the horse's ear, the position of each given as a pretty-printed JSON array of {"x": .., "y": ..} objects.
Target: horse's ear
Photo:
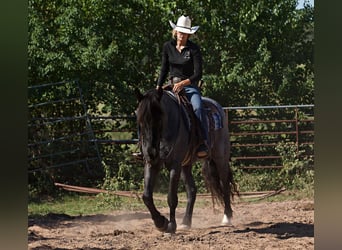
[
  {"x": 138, "y": 94},
  {"x": 160, "y": 92}
]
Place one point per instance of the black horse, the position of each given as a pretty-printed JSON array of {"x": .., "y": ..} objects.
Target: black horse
[{"x": 166, "y": 139}]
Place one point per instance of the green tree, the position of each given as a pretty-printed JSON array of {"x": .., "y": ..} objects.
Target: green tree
[
  {"x": 254, "y": 49},
  {"x": 255, "y": 53}
]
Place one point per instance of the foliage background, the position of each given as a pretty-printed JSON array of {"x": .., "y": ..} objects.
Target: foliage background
[{"x": 255, "y": 53}]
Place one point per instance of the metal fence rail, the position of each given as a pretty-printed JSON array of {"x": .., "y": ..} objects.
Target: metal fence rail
[
  {"x": 49, "y": 146},
  {"x": 257, "y": 131}
]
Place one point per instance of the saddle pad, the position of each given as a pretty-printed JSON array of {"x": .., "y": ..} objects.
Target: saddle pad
[{"x": 214, "y": 112}]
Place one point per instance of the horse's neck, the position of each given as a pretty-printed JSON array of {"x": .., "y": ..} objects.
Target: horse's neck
[{"x": 172, "y": 122}]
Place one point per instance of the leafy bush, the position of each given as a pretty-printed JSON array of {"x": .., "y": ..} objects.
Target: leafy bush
[
  {"x": 126, "y": 176},
  {"x": 296, "y": 173}
]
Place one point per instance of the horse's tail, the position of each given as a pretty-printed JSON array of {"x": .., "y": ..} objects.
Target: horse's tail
[{"x": 212, "y": 181}]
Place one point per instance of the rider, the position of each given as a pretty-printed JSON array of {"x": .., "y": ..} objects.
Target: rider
[{"x": 182, "y": 58}]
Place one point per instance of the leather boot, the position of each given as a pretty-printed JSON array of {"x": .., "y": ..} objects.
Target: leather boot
[{"x": 202, "y": 151}]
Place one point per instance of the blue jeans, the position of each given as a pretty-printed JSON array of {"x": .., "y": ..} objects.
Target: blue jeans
[{"x": 194, "y": 96}]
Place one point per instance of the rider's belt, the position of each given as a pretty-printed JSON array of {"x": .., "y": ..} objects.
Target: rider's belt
[{"x": 175, "y": 79}]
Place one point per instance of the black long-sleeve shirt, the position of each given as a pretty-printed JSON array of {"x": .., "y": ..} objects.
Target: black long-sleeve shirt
[{"x": 185, "y": 64}]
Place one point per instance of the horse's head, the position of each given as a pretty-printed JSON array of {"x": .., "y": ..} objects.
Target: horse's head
[{"x": 150, "y": 120}]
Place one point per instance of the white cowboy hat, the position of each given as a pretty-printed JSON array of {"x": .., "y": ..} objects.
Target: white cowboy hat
[{"x": 184, "y": 25}]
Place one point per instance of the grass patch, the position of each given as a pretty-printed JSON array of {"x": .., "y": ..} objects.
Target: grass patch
[
  {"x": 73, "y": 205},
  {"x": 77, "y": 205}
]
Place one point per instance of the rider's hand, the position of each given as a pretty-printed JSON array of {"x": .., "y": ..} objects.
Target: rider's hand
[{"x": 177, "y": 87}]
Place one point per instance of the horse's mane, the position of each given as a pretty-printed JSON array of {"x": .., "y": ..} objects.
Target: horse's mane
[{"x": 150, "y": 108}]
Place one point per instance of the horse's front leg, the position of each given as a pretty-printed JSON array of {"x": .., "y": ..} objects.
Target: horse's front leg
[
  {"x": 150, "y": 174},
  {"x": 172, "y": 197},
  {"x": 191, "y": 191}
]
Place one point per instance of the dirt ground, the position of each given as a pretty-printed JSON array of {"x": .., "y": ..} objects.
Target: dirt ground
[{"x": 261, "y": 225}]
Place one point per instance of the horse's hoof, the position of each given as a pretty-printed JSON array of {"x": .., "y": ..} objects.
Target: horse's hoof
[
  {"x": 164, "y": 227},
  {"x": 226, "y": 221},
  {"x": 171, "y": 228},
  {"x": 184, "y": 226},
  {"x": 167, "y": 235},
  {"x": 229, "y": 224}
]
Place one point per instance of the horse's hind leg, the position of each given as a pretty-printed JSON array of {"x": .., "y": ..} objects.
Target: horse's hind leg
[
  {"x": 223, "y": 173},
  {"x": 150, "y": 174},
  {"x": 191, "y": 191},
  {"x": 228, "y": 212},
  {"x": 222, "y": 177}
]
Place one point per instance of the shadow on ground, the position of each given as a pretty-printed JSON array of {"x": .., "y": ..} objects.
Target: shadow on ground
[{"x": 282, "y": 230}]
